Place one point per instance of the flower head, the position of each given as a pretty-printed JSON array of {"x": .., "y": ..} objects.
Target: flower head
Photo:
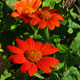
[
  {"x": 31, "y": 53},
  {"x": 25, "y": 7},
  {"x": 46, "y": 17}
]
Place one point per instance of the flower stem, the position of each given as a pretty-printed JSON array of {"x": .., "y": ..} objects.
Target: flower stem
[
  {"x": 36, "y": 31},
  {"x": 46, "y": 33}
]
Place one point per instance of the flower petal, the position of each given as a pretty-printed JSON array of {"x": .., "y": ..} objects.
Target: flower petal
[
  {"x": 30, "y": 2},
  {"x": 32, "y": 69},
  {"x": 11, "y": 58},
  {"x": 42, "y": 24},
  {"x": 58, "y": 16},
  {"x": 24, "y": 67},
  {"x": 34, "y": 21},
  {"x": 19, "y": 59},
  {"x": 22, "y": 44},
  {"x": 45, "y": 47},
  {"x": 51, "y": 50},
  {"x": 15, "y": 14},
  {"x": 38, "y": 45},
  {"x": 37, "y": 4},
  {"x": 50, "y": 61},
  {"x": 31, "y": 43},
  {"x": 52, "y": 10},
  {"x": 56, "y": 22},
  {"x": 20, "y": 6},
  {"x": 43, "y": 66},
  {"x": 51, "y": 25},
  {"x": 15, "y": 50}
]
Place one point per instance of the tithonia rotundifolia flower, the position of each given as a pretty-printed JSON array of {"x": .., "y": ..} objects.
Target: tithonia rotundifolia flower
[
  {"x": 32, "y": 55},
  {"x": 46, "y": 17},
  {"x": 25, "y": 7}
]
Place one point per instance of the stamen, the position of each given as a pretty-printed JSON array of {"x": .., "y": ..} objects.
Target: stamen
[
  {"x": 45, "y": 15},
  {"x": 33, "y": 55},
  {"x": 27, "y": 11}
]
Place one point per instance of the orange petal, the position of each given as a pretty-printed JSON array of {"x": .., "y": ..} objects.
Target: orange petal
[
  {"x": 30, "y": 3},
  {"x": 50, "y": 51},
  {"x": 56, "y": 22},
  {"x": 45, "y": 47},
  {"x": 38, "y": 45},
  {"x": 42, "y": 24},
  {"x": 22, "y": 44},
  {"x": 58, "y": 16},
  {"x": 15, "y": 14},
  {"x": 43, "y": 66},
  {"x": 11, "y": 58},
  {"x": 20, "y": 6},
  {"x": 15, "y": 50},
  {"x": 52, "y": 10},
  {"x": 34, "y": 21},
  {"x": 37, "y": 4},
  {"x": 51, "y": 25},
  {"x": 24, "y": 67},
  {"x": 19, "y": 59},
  {"x": 32, "y": 69},
  {"x": 30, "y": 43},
  {"x": 50, "y": 61}
]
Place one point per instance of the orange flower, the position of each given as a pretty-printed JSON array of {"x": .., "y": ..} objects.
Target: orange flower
[
  {"x": 25, "y": 7},
  {"x": 30, "y": 54},
  {"x": 46, "y": 17}
]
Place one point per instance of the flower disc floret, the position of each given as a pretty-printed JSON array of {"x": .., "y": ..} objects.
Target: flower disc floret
[
  {"x": 33, "y": 55},
  {"x": 45, "y": 15}
]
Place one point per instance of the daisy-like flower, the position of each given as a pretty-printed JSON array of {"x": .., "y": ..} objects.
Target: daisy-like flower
[
  {"x": 31, "y": 54},
  {"x": 25, "y": 7},
  {"x": 46, "y": 17}
]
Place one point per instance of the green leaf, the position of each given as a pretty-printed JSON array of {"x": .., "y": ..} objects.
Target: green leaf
[
  {"x": 73, "y": 24},
  {"x": 2, "y": 77},
  {"x": 39, "y": 76},
  {"x": 75, "y": 45},
  {"x": 10, "y": 3},
  {"x": 61, "y": 65},
  {"x": 5, "y": 75},
  {"x": 57, "y": 1},
  {"x": 56, "y": 38},
  {"x": 70, "y": 74},
  {"x": 68, "y": 77},
  {"x": 63, "y": 48},
  {"x": 13, "y": 27},
  {"x": 70, "y": 30},
  {"x": 73, "y": 70},
  {"x": 48, "y": 3},
  {"x": 74, "y": 15}
]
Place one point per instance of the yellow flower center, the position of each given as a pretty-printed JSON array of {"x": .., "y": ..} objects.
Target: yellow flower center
[
  {"x": 45, "y": 15},
  {"x": 27, "y": 11},
  {"x": 33, "y": 55}
]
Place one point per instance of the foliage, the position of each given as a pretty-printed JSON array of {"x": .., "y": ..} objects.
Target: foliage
[{"x": 66, "y": 38}]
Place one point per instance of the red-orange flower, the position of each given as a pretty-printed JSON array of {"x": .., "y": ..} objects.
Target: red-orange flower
[
  {"x": 46, "y": 17},
  {"x": 25, "y": 7},
  {"x": 31, "y": 54}
]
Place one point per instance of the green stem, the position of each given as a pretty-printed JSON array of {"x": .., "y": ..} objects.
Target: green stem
[
  {"x": 46, "y": 33},
  {"x": 36, "y": 31}
]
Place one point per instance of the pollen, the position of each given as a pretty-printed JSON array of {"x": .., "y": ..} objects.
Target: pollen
[
  {"x": 27, "y": 11},
  {"x": 33, "y": 55},
  {"x": 45, "y": 15}
]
